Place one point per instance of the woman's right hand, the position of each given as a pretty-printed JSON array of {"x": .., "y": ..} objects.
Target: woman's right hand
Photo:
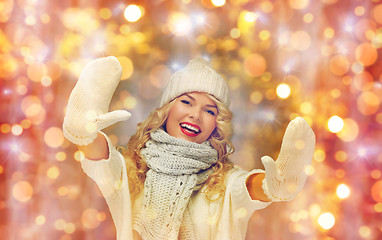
[{"x": 88, "y": 105}]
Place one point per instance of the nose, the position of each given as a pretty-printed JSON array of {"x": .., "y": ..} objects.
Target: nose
[{"x": 195, "y": 113}]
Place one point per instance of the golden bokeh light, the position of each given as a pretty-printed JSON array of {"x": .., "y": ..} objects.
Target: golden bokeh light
[
  {"x": 326, "y": 220},
  {"x": 366, "y": 54},
  {"x": 335, "y": 124},
  {"x": 350, "y": 130},
  {"x": 22, "y": 191},
  {"x": 339, "y": 65},
  {"x": 255, "y": 65},
  {"x": 343, "y": 191},
  {"x": 132, "y": 13},
  {"x": 89, "y": 218},
  {"x": 283, "y": 90},
  {"x": 54, "y": 137}
]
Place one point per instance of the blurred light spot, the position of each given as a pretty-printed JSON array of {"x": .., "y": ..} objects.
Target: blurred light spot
[
  {"x": 335, "y": 124},
  {"x": 1, "y": 169},
  {"x": 235, "y": 33},
  {"x": 30, "y": 20},
  {"x": 33, "y": 110},
  {"x": 132, "y": 13},
  {"x": 283, "y": 90},
  {"x": 159, "y": 75},
  {"x": 326, "y": 220},
  {"x": 78, "y": 155},
  {"x": 300, "y": 40},
  {"x": 308, "y": 18},
  {"x": 329, "y": 32},
  {"x": 105, "y": 13},
  {"x": 377, "y": 13},
  {"x": 250, "y": 17},
  {"x": 319, "y": 155},
  {"x": 256, "y": 97},
  {"x": 376, "y": 191},
  {"x": 218, "y": 3},
  {"x": 266, "y": 6},
  {"x": 22, "y": 191},
  {"x": 366, "y": 54},
  {"x": 101, "y": 216},
  {"x": 340, "y": 156},
  {"x": 37, "y": 71},
  {"x": 5, "y": 128},
  {"x": 364, "y": 231},
  {"x": 361, "y": 152},
  {"x": 17, "y": 130},
  {"x": 378, "y": 207},
  {"x": 359, "y": 11},
  {"x": 350, "y": 130},
  {"x": 343, "y": 191},
  {"x": 40, "y": 220},
  {"x": 59, "y": 224},
  {"x": 179, "y": 24},
  {"x": 368, "y": 103},
  {"x": 335, "y": 93},
  {"x": 69, "y": 228},
  {"x": 378, "y": 118},
  {"x": 339, "y": 65},
  {"x": 255, "y": 65},
  {"x": 309, "y": 170},
  {"x": 60, "y": 156},
  {"x": 306, "y": 108},
  {"x": 340, "y": 173},
  {"x": 264, "y": 35},
  {"x": 89, "y": 218},
  {"x": 130, "y": 103},
  {"x": 127, "y": 67},
  {"x": 363, "y": 81},
  {"x": 63, "y": 191},
  {"x": 53, "y": 172},
  {"x": 54, "y": 137},
  {"x": 298, "y": 4},
  {"x": 26, "y": 123},
  {"x": 375, "y": 173}
]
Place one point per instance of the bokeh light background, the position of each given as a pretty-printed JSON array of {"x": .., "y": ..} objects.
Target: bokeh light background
[{"x": 317, "y": 59}]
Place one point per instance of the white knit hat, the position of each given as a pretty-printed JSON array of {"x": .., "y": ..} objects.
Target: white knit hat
[{"x": 197, "y": 76}]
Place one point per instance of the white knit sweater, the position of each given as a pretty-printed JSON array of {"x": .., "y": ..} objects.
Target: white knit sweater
[{"x": 226, "y": 218}]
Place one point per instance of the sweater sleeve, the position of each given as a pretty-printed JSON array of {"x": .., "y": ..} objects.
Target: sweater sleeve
[{"x": 107, "y": 173}]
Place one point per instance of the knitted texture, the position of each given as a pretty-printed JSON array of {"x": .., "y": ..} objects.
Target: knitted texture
[
  {"x": 87, "y": 110},
  {"x": 177, "y": 168},
  {"x": 197, "y": 76},
  {"x": 286, "y": 176}
]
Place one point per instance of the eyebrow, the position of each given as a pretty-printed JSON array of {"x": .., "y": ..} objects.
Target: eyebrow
[{"x": 208, "y": 105}]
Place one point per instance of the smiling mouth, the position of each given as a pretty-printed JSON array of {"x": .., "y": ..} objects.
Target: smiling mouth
[{"x": 190, "y": 129}]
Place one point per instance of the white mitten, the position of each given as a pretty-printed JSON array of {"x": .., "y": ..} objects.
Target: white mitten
[
  {"x": 88, "y": 106},
  {"x": 286, "y": 176}
]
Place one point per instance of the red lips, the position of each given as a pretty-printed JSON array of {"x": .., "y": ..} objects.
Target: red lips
[{"x": 190, "y": 129}]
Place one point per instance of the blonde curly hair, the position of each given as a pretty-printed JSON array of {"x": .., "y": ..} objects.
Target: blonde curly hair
[{"x": 220, "y": 140}]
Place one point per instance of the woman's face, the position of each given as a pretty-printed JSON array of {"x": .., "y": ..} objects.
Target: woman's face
[{"x": 192, "y": 117}]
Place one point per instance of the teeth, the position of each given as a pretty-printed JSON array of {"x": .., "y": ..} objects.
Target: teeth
[{"x": 184, "y": 125}]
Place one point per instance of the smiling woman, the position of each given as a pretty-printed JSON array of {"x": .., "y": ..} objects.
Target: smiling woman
[
  {"x": 192, "y": 117},
  {"x": 175, "y": 175}
]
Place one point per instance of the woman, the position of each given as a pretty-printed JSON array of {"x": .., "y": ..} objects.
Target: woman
[{"x": 174, "y": 180}]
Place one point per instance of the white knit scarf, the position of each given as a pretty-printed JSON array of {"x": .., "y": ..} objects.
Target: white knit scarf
[{"x": 177, "y": 168}]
